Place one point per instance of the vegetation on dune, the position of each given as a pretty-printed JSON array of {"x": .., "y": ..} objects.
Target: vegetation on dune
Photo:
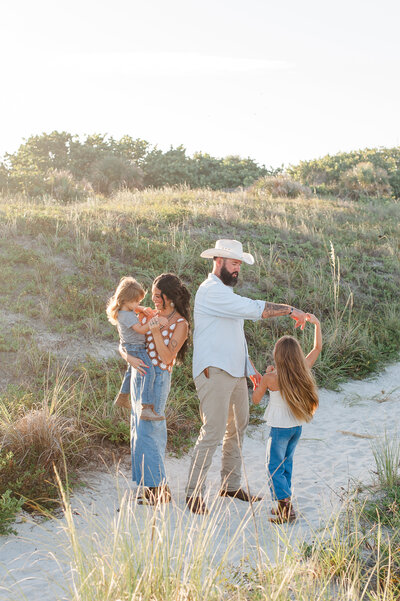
[
  {"x": 67, "y": 240},
  {"x": 372, "y": 172},
  {"x": 60, "y": 263},
  {"x": 172, "y": 556},
  {"x": 67, "y": 168}
]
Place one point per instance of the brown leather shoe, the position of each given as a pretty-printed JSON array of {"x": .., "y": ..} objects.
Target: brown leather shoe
[
  {"x": 240, "y": 494},
  {"x": 197, "y": 505}
]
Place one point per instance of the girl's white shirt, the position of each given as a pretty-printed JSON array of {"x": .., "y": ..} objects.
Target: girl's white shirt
[{"x": 278, "y": 414}]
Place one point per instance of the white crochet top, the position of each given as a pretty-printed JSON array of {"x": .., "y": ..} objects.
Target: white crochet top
[
  {"x": 166, "y": 333},
  {"x": 278, "y": 414}
]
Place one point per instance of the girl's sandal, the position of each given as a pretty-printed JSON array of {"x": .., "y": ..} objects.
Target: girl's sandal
[{"x": 284, "y": 512}]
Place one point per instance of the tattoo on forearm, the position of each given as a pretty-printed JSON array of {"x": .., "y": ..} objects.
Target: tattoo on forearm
[
  {"x": 173, "y": 344},
  {"x": 274, "y": 310}
]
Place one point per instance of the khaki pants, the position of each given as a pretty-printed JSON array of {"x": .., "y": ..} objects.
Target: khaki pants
[{"x": 224, "y": 411}]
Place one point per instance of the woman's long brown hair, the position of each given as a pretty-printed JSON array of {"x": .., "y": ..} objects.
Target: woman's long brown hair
[
  {"x": 173, "y": 288},
  {"x": 295, "y": 380}
]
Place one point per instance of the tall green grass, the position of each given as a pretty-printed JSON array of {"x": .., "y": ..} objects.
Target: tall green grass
[
  {"x": 387, "y": 459},
  {"x": 335, "y": 258},
  {"x": 60, "y": 263},
  {"x": 165, "y": 553}
]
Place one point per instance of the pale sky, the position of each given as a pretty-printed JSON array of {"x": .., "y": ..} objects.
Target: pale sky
[{"x": 279, "y": 81}]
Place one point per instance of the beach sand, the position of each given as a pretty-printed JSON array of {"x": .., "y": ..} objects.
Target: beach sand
[{"x": 335, "y": 452}]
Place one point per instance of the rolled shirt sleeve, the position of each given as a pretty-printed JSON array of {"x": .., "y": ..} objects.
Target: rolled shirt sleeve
[{"x": 225, "y": 303}]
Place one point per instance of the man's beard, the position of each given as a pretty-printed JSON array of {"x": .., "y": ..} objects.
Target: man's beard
[{"x": 227, "y": 278}]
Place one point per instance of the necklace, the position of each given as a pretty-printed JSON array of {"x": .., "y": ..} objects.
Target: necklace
[{"x": 170, "y": 316}]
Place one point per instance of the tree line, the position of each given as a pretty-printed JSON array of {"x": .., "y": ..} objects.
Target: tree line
[
  {"x": 67, "y": 168},
  {"x": 64, "y": 166},
  {"x": 372, "y": 172}
]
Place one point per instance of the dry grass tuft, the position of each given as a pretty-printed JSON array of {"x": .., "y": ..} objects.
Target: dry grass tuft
[
  {"x": 43, "y": 435},
  {"x": 36, "y": 440}
]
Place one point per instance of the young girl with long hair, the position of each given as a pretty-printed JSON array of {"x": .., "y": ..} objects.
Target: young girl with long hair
[
  {"x": 293, "y": 402},
  {"x": 122, "y": 309}
]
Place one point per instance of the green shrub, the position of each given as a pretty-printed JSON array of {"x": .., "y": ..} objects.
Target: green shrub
[
  {"x": 3, "y": 179},
  {"x": 62, "y": 186},
  {"x": 111, "y": 172},
  {"x": 110, "y": 164},
  {"x": 280, "y": 186},
  {"x": 9, "y": 507},
  {"x": 394, "y": 181},
  {"x": 364, "y": 180},
  {"x": 325, "y": 174}
]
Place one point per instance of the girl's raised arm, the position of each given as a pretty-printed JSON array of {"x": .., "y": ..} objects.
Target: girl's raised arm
[{"x": 313, "y": 355}]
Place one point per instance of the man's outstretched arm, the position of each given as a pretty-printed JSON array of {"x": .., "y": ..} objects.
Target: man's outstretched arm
[{"x": 276, "y": 310}]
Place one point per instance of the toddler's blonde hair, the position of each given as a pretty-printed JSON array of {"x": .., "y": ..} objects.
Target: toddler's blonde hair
[{"x": 128, "y": 290}]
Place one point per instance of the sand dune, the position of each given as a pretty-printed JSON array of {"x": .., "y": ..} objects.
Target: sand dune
[{"x": 333, "y": 453}]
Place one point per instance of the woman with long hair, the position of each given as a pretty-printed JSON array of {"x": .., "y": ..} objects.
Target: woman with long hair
[
  {"x": 165, "y": 345},
  {"x": 293, "y": 402}
]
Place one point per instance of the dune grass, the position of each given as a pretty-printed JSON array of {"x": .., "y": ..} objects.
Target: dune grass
[
  {"x": 339, "y": 259},
  {"x": 60, "y": 263},
  {"x": 168, "y": 554}
]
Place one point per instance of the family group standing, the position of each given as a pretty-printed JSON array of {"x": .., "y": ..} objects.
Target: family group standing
[{"x": 151, "y": 341}]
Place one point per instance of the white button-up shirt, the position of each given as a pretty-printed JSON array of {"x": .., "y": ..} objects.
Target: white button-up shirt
[{"x": 218, "y": 338}]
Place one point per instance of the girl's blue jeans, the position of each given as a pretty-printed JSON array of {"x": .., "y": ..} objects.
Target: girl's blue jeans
[
  {"x": 281, "y": 445},
  {"x": 144, "y": 384}
]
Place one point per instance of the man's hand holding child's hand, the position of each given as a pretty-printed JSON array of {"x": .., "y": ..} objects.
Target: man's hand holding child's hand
[
  {"x": 256, "y": 379},
  {"x": 312, "y": 319}
]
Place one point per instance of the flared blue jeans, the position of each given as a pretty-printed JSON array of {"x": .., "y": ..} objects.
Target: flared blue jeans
[{"x": 149, "y": 438}]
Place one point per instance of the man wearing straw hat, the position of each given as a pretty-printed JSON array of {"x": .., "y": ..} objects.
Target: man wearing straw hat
[{"x": 220, "y": 366}]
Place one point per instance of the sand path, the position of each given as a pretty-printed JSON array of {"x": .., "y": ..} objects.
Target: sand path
[{"x": 335, "y": 449}]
